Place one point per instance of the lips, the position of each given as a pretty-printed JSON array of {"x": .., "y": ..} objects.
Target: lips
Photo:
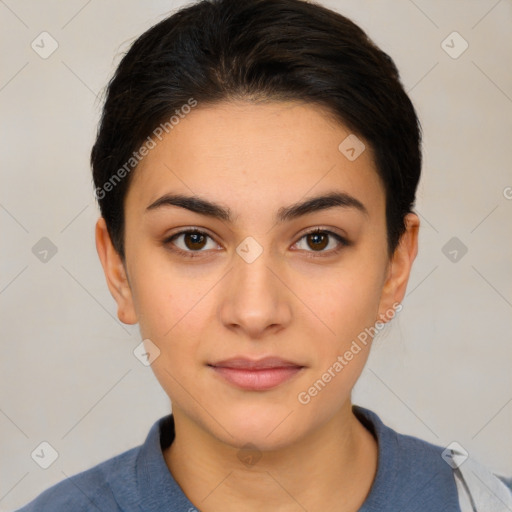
[
  {"x": 259, "y": 364},
  {"x": 256, "y": 375}
]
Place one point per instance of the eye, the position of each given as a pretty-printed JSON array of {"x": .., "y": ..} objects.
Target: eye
[
  {"x": 319, "y": 239},
  {"x": 190, "y": 241}
]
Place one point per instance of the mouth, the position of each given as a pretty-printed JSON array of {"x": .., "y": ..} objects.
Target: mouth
[{"x": 256, "y": 375}]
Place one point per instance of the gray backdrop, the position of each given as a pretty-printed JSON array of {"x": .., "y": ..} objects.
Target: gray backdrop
[{"x": 69, "y": 378}]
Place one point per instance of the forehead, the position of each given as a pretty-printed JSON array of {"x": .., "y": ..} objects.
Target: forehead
[{"x": 254, "y": 155}]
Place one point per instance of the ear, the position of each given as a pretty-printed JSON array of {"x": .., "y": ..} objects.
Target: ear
[
  {"x": 115, "y": 274},
  {"x": 399, "y": 268}
]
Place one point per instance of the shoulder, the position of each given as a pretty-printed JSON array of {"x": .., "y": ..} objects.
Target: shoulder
[
  {"x": 478, "y": 487},
  {"x": 431, "y": 476},
  {"x": 405, "y": 454},
  {"x": 90, "y": 490}
]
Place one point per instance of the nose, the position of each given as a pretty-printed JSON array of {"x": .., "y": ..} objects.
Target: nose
[{"x": 256, "y": 300}]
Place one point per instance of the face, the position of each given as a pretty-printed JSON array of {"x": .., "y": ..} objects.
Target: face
[{"x": 266, "y": 296}]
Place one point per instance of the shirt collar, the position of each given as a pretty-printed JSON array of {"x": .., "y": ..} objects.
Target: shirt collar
[{"x": 401, "y": 459}]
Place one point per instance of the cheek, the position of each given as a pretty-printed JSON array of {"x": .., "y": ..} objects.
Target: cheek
[
  {"x": 344, "y": 303},
  {"x": 171, "y": 313},
  {"x": 168, "y": 307},
  {"x": 174, "y": 308},
  {"x": 349, "y": 307},
  {"x": 163, "y": 294}
]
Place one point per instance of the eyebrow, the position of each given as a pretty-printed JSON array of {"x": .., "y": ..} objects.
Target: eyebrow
[{"x": 288, "y": 213}]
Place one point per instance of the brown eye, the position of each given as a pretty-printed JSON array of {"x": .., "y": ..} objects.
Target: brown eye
[
  {"x": 189, "y": 242},
  {"x": 194, "y": 241},
  {"x": 318, "y": 240}
]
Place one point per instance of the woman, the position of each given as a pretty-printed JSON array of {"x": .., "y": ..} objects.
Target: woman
[{"x": 256, "y": 169}]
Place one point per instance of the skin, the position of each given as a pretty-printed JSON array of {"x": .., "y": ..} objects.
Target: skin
[{"x": 255, "y": 159}]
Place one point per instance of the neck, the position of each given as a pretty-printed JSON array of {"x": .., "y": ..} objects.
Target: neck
[{"x": 331, "y": 469}]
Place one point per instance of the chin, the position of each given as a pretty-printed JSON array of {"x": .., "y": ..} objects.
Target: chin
[{"x": 265, "y": 426}]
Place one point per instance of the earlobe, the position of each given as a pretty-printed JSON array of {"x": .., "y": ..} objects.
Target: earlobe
[
  {"x": 400, "y": 267},
  {"x": 115, "y": 274}
]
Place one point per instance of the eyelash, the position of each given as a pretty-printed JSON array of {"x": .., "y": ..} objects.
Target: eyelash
[{"x": 343, "y": 242}]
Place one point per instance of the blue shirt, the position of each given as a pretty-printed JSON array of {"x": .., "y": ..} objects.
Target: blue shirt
[{"x": 411, "y": 477}]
